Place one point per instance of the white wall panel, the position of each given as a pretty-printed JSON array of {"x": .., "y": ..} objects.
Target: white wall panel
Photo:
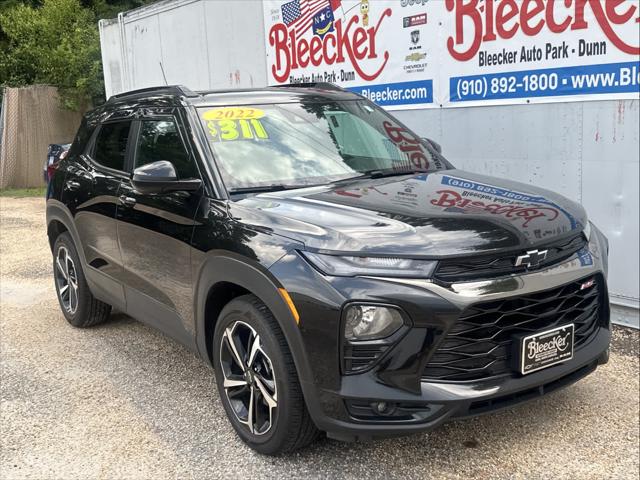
[
  {"x": 111, "y": 49},
  {"x": 532, "y": 144},
  {"x": 236, "y": 43},
  {"x": 610, "y": 173},
  {"x": 143, "y": 52},
  {"x": 202, "y": 44},
  {"x": 183, "y": 40}
]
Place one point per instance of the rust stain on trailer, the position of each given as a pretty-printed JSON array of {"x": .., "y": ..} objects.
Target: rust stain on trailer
[
  {"x": 620, "y": 112},
  {"x": 234, "y": 78}
]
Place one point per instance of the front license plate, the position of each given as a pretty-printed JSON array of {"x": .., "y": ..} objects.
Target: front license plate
[{"x": 543, "y": 349}]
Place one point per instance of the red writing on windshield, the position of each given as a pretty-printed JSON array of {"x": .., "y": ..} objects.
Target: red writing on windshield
[{"x": 409, "y": 144}]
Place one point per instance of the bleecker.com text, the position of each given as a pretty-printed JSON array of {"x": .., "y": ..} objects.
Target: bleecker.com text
[
  {"x": 505, "y": 18},
  {"x": 349, "y": 41}
]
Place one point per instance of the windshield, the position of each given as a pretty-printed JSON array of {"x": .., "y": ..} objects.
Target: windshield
[{"x": 311, "y": 143}]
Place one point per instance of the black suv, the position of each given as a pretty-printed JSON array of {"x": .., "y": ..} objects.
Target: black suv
[{"x": 335, "y": 270}]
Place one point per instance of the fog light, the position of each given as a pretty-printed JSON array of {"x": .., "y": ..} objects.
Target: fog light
[
  {"x": 381, "y": 407},
  {"x": 369, "y": 322}
]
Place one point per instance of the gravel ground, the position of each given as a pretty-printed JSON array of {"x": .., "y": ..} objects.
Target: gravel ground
[{"x": 123, "y": 401}]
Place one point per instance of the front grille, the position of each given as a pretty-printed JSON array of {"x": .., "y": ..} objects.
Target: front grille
[
  {"x": 480, "y": 344},
  {"x": 496, "y": 265}
]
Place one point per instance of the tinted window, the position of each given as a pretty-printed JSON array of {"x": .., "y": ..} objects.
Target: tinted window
[
  {"x": 160, "y": 140},
  {"x": 111, "y": 145},
  {"x": 82, "y": 137}
]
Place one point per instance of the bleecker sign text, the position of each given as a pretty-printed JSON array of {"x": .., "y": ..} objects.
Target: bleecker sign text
[
  {"x": 350, "y": 41},
  {"x": 493, "y": 20}
]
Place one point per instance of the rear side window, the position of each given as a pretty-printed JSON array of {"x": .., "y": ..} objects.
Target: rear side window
[
  {"x": 160, "y": 140},
  {"x": 82, "y": 137},
  {"x": 111, "y": 145}
]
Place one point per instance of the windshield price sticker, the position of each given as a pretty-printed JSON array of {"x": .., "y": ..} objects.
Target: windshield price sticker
[
  {"x": 228, "y": 130},
  {"x": 235, "y": 123},
  {"x": 233, "y": 113}
]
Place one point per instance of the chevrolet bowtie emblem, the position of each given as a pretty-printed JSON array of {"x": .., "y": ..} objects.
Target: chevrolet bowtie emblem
[{"x": 531, "y": 259}]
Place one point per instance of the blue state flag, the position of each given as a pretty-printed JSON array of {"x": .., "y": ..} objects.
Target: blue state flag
[{"x": 323, "y": 22}]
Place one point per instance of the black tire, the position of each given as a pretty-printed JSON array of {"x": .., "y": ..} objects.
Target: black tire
[
  {"x": 291, "y": 426},
  {"x": 86, "y": 310}
]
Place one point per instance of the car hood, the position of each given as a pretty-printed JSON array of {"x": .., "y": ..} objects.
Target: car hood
[{"x": 436, "y": 214}]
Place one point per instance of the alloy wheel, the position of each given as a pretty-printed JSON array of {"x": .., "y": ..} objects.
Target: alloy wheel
[
  {"x": 66, "y": 280},
  {"x": 249, "y": 380}
]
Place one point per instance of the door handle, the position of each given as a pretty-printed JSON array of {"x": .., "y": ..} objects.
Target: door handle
[
  {"x": 72, "y": 185},
  {"x": 127, "y": 201}
]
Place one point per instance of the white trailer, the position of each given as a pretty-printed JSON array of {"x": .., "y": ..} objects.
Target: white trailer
[
  {"x": 587, "y": 150},
  {"x": 198, "y": 43}
]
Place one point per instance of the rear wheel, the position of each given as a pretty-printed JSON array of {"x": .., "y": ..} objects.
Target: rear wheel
[
  {"x": 79, "y": 306},
  {"x": 257, "y": 379}
]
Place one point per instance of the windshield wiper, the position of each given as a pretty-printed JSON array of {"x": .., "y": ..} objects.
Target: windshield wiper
[
  {"x": 389, "y": 172},
  {"x": 379, "y": 174},
  {"x": 276, "y": 187}
]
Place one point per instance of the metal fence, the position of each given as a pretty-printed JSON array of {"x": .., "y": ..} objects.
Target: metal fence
[{"x": 32, "y": 118}]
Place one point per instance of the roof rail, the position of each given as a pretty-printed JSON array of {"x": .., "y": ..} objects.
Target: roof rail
[
  {"x": 177, "y": 90},
  {"x": 318, "y": 85}
]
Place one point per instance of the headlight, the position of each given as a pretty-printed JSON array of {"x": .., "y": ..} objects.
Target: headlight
[
  {"x": 370, "y": 322},
  {"x": 349, "y": 266}
]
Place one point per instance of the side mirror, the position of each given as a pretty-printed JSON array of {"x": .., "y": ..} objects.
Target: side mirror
[
  {"x": 161, "y": 177},
  {"x": 436, "y": 146}
]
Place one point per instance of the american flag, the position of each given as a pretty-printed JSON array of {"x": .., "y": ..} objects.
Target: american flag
[{"x": 298, "y": 14}]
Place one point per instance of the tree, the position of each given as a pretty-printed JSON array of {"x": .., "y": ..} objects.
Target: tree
[
  {"x": 6, "y": 5},
  {"x": 57, "y": 44},
  {"x": 111, "y": 8}
]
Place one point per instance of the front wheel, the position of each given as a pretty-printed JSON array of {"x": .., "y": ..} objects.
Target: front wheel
[
  {"x": 79, "y": 306},
  {"x": 257, "y": 379}
]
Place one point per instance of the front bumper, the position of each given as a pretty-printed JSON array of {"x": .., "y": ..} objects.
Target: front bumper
[
  {"x": 345, "y": 405},
  {"x": 438, "y": 402}
]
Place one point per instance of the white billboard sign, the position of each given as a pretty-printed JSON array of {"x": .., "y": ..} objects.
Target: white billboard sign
[{"x": 447, "y": 53}]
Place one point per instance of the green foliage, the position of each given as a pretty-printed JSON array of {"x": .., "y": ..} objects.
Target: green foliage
[
  {"x": 111, "y": 8},
  {"x": 56, "y": 42}
]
